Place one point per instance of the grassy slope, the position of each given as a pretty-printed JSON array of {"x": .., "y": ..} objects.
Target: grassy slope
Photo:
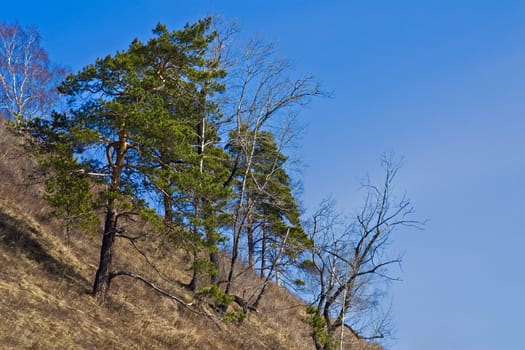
[{"x": 45, "y": 285}]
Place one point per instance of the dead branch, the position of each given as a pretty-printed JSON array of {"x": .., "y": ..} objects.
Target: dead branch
[
  {"x": 148, "y": 261},
  {"x": 159, "y": 290},
  {"x": 244, "y": 304}
]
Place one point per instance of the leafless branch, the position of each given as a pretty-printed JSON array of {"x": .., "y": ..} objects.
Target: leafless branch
[
  {"x": 348, "y": 258},
  {"x": 161, "y": 291},
  {"x": 133, "y": 240}
]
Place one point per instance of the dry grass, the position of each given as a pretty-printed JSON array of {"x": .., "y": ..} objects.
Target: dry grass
[{"x": 45, "y": 286}]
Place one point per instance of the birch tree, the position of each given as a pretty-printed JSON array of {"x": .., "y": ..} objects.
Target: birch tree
[
  {"x": 28, "y": 79},
  {"x": 264, "y": 98}
]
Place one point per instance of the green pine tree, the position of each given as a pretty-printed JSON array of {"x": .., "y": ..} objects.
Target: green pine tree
[{"x": 132, "y": 116}]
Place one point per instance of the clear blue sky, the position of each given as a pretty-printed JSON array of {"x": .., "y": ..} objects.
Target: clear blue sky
[{"x": 441, "y": 83}]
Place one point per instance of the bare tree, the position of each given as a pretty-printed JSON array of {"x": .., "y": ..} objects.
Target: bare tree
[
  {"x": 263, "y": 102},
  {"x": 28, "y": 80},
  {"x": 349, "y": 260}
]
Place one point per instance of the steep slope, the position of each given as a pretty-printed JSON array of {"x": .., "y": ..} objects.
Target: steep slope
[{"x": 45, "y": 286}]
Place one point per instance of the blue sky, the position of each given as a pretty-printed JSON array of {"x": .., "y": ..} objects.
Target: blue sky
[{"x": 441, "y": 83}]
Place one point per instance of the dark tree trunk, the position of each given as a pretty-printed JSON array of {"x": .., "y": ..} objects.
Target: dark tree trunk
[
  {"x": 263, "y": 251},
  {"x": 200, "y": 277},
  {"x": 233, "y": 259},
  {"x": 318, "y": 345},
  {"x": 214, "y": 258},
  {"x": 168, "y": 209},
  {"x": 196, "y": 281},
  {"x": 103, "y": 277},
  {"x": 251, "y": 243}
]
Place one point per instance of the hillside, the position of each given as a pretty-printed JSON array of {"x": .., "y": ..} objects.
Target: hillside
[{"x": 45, "y": 286}]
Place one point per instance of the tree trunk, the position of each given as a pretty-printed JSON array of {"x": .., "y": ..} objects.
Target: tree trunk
[
  {"x": 233, "y": 259},
  {"x": 214, "y": 258},
  {"x": 196, "y": 277},
  {"x": 251, "y": 243},
  {"x": 168, "y": 209},
  {"x": 103, "y": 278},
  {"x": 318, "y": 345},
  {"x": 201, "y": 277},
  {"x": 263, "y": 251}
]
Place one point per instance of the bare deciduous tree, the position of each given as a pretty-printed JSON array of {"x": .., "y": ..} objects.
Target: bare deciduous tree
[
  {"x": 349, "y": 260},
  {"x": 28, "y": 79},
  {"x": 263, "y": 102}
]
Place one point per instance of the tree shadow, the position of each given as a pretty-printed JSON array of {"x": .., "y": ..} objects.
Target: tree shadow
[{"x": 19, "y": 237}]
